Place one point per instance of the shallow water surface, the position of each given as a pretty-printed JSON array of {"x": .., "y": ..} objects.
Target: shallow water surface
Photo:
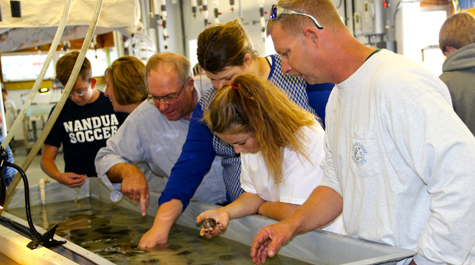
[{"x": 114, "y": 233}]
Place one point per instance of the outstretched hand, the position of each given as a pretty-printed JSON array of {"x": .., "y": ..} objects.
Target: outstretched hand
[
  {"x": 268, "y": 241},
  {"x": 222, "y": 221},
  {"x": 71, "y": 179}
]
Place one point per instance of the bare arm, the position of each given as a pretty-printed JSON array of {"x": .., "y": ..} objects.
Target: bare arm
[
  {"x": 277, "y": 210},
  {"x": 134, "y": 183},
  {"x": 166, "y": 216},
  {"x": 322, "y": 207},
  {"x": 48, "y": 157},
  {"x": 48, "y": 165},
  {"x": 246, "y": 204}
]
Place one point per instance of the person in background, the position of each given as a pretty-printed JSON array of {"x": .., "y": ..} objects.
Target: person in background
[
  {"x": 83, "y": 126},
  {"x": 457, "y": 42},
  {"x": 398, "y": 161},
  {"x": 224, "y": 51},
  {"x": 155, "y": 132},
  {"x": 10, "y": 115},
  {"x": 8, "y": 172},
  {"x": 281, "y": 147},
  {"x": 125, "y": 85}
]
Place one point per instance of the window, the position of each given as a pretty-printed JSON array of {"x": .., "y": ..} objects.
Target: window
[{"x": 21, "y": 67}]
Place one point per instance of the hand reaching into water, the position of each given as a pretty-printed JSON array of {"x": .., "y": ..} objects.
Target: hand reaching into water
[
  {"x": 166, "y": 216},
  {"x": 269, "y": 239}
]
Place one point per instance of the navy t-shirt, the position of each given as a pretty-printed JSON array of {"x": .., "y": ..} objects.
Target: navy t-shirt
[{"x": 83, "y": 130}]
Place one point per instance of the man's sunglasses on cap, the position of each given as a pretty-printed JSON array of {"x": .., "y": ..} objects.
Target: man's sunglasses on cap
[{"x": 276, "y": 11}]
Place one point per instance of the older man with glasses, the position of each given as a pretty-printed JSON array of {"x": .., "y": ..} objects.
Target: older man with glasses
[
  {"x": 85, "y": 123},
  {"x": 154, "y": 133}
]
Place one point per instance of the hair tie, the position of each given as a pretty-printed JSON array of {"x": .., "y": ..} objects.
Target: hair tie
[{"x": 233, "y": 86}]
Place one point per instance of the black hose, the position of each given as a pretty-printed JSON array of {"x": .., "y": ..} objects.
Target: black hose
[{"x": 36, "y": 234}]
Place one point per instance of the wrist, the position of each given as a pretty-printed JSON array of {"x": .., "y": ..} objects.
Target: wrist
[
  {"x": 55, "y": 175},
  {"x": 294, "y": 222},
  {"x": 262, "y": 209},
  {"x": 118, "y": 173}
]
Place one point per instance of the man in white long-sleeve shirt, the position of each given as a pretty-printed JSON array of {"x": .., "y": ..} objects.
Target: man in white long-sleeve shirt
[
  {"x": 154, "y": 133},
  {"x": 399, "y": 163}
]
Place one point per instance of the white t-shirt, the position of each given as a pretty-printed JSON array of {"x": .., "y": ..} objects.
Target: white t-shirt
[
  {"x": 402, "y": 160},
  {"x": 300, "y": 176}
]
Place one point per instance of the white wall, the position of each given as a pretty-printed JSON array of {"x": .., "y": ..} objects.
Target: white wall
[
  {"x": 417, "y": 31},
  {"x": 245, "y": 9}
]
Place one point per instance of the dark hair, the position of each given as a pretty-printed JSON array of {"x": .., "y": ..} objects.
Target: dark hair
[{"x": 223, "y": 45}]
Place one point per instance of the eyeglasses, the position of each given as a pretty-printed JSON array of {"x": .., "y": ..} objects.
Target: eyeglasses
[
  {"x": 169, "y": 99},
  {"x": 78, "y": 92},
  {"x": 277, "y": 11}
]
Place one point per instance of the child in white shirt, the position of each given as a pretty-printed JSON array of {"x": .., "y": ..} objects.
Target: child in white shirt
[{"x": 281, "y": 147}]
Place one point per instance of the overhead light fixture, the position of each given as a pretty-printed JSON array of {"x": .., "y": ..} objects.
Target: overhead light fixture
[{"x": 44, "y": 90}]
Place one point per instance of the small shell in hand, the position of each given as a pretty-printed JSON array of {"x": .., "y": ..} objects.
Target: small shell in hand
[{"x": 209, "y": 223}]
